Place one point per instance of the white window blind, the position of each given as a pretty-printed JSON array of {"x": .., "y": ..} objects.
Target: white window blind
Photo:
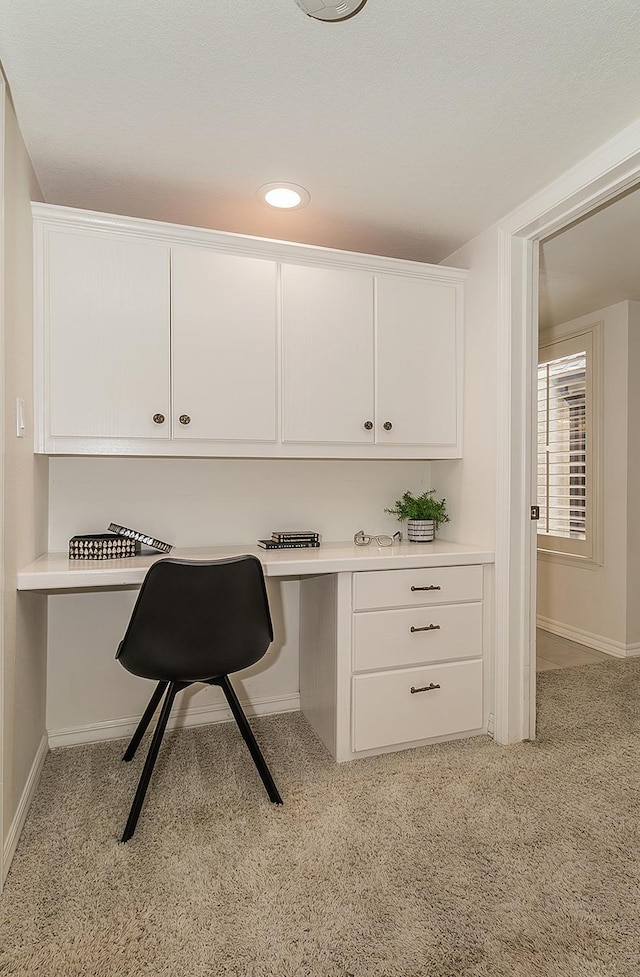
[
  {"x": 562, "y": 446},
  {"x": 566, "y": 478}
]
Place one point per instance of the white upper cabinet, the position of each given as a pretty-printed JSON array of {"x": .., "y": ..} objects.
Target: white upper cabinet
[
  {"x": 417, "y": 362},
  {"x": 224, "y": 346},
  {"x": 156, "y": 339},
  {"x": 327, "y": 341},
  {"x": 107, "y": 336},
  {"x": 369, "y": 359}
]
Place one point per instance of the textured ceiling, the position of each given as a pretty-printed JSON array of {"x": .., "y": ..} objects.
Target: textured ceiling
[{"x": 414, "y": 125}]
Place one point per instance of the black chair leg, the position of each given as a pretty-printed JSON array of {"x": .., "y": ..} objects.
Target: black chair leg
[
  {"x": 147, "y": 770},
  {"x": 144, "y": 722},
  {"x": 249, "y": 738}
]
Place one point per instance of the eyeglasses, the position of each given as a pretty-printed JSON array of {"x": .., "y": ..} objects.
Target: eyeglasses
[{"x": 362, "y": 539}]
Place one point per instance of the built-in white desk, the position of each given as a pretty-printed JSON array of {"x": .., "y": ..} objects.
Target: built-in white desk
[
  {"x": 55, "y": 572},
  {"x": 392, "y": 639}
]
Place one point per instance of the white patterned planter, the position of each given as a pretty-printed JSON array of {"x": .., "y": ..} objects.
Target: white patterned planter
[{"x": 421, "y": 530}]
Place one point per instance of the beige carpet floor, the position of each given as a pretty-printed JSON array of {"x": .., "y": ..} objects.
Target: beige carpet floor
[{"x": 462, "y": 860}]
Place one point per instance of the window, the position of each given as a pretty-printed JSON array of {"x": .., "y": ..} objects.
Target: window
[{"x": 568, "y": 446}]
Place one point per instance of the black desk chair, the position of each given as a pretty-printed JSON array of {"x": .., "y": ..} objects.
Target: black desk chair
[{"x": 196, "y": 622}]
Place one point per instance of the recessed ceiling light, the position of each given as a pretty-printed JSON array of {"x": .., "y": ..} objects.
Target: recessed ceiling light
[
  {"x": 334, "y": 10},
  {"x": 284, "y": 196}
]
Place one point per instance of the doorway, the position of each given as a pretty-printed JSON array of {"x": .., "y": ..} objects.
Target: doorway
[
  {"x": 589, "y": 314},
  {"x": 612, "y": 170}
]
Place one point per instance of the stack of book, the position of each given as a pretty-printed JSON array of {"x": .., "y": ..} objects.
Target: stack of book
[{"x": 290, "y": 540}]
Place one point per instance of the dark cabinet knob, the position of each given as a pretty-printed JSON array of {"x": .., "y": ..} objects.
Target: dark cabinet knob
[
  {"x": 158, "y": 418},
  {"x": 184, "y": 419},
  {"x": 368, "y": 425},
  {"x": 387, "y": 425}
]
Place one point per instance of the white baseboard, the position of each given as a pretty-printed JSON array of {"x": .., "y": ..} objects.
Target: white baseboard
[
  {"x": 191, "y": 716},
  {"x": 606, "y": 645},
  {"x": 11, "y": 841}
]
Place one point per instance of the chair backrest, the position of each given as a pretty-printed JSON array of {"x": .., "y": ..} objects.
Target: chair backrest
[{"x": 195, "y": 620}]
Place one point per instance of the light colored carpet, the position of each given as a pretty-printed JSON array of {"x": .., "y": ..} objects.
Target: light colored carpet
[{"x": 461, "y": 860}]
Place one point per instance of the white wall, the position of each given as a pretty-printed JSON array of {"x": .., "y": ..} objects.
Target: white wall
[
  {"x": 192, "y": 502},
  {"x": 591, "y": 603},
  {"x": 469, "y": 484},
  {"x": 633, "y": 481},
  {"x": 25, "y": 499}
]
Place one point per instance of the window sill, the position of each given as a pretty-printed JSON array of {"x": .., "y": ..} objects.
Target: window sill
[{"x": 569, "y": 559}]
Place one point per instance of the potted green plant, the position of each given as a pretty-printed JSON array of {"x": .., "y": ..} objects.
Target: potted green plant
[{"x": 423, "y": 514}]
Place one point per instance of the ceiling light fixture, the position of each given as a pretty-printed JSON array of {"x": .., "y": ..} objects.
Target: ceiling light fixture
[
  {"x": 285, "y": 196},
  {"x": 331, "y": 10}
]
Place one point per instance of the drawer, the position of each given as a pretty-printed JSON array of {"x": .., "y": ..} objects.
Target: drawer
[
  {"x": 401, "y": 588},
  {"x": 384, "y": 639},
  {"x": 386, "y": 713}
]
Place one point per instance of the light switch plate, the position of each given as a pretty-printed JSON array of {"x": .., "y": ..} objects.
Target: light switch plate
[{"x": 19, "y": 417}]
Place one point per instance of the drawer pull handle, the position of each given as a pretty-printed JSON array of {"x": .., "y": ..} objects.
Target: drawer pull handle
[
  {"x": 425, "y": 688},
  {"x": 432, "y": 587},
  {"x": 429, "y": 627}
]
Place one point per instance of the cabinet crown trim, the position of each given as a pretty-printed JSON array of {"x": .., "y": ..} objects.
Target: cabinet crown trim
[{"x": 232, "y": 243}]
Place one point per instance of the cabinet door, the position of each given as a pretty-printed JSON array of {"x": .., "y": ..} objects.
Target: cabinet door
[
  {"x": 224, "y": 346},
  {"x": 327, "y": 320},
  {"x": 107, "y": 336},
  {"x": 417, "y": 362}
]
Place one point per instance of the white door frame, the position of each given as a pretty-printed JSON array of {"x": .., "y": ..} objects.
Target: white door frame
[
  {"x": 3, "y": 867},
  {"x": 609, "y": 171}
]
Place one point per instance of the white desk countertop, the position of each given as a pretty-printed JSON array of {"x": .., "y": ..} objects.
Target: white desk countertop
[{"x": 55, "y": 572}]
